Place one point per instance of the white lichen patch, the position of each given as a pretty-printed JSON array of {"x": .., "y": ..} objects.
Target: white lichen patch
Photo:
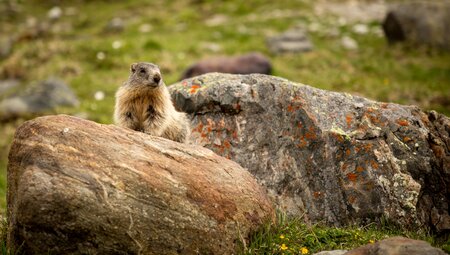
[{"x": 406, "y": 190}]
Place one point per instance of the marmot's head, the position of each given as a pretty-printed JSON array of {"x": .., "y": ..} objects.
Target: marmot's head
[{"x": 145, "y": 74}]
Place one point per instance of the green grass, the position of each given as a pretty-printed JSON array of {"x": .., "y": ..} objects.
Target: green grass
[
  {"x": 401, "y": 74},
  {"x": 293, "y": 236}
]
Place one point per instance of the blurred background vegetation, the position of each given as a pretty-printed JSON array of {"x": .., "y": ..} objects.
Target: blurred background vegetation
[{"x": 91, "y": 44}]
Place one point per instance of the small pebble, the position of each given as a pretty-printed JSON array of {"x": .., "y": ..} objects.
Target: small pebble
[
  {"x": 361, "y": 29},
  {"x": 349, "y": 43}
]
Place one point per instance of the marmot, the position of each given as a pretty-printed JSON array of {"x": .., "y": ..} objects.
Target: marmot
[{"x": 143, "y": 103}]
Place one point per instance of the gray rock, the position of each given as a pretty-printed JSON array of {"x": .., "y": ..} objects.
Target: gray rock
[
  {"x": 293, "y": 40},
  {"x": 242, "y": 64},
  {"x": 115, "y": 25},
  {"x": 423, "y": 23},
  {"x": 334, "y": 252},
  {"x": 349, "y": 43},
  {"x": 8, "y": 85},
  {"x": 78, "y": 187},
  {"x": 38, "y": 99},
  {"x": 397, "y": 246},
  {"x": 338, "y": 158}
]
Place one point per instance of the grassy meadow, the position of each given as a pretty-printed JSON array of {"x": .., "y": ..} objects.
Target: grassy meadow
[{"x": 175, "y": 34}]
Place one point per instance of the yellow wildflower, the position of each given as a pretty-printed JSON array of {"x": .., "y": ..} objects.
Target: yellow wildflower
[
  {"x": 282, "y": 237},
  {"x": 304, "y": 250},
  {"x": 371, "y": 241},
  {"x": 283, "y": 247}
]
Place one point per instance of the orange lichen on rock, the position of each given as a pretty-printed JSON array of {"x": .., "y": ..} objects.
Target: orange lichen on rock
[
  {"x": 352, "y": 177},
  {"x": 374, "y": 164},
  {"x": 227, "y": 144},
  {"x": 348, "y": 119},
  {"x": 302, "y": 143},
  {"x": 348, "y": 152},
  {"x": 368, "y": 147},
  {"x": 359, "y": 169},
  {"x": 194, "y": 88},
  {"x": 403, "y": 122},
  {"x": 199, "y": 127},
  {"x": 317, "y": 194},
  {"x": 290, "y": 108},
  {"x": 310, "y": 135}
]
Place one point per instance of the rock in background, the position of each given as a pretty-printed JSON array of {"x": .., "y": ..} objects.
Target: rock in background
[
  {"x": 338, "y": 158},
  {"x": 292, "y": 41},
  {"x": 243, "y": 64},
  {"x": 37, "y": 99},
  {"x": 75, "y": 186},
  {"x": 397, "y": 246},
  {"x": 426, "y": 23}
]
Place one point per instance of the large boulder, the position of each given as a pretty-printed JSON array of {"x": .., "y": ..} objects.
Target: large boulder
[
  {"x": 397, "y": 246},
  {"x": 419, "y": 22},
  {"x": 241, "y": 64},
  {"x": 334, "y": 157},
  {"x": 78, "y": 187}
]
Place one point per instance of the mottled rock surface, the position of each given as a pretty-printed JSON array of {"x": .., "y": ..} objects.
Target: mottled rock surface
[
  {"x": 37, "y": 99},
  {"x": 242, "y": 64},
  {"x": 334, "y": 252},
  {"x": 339, "y": 158},
  {"x": 78, "y": 187},
  {"x": 419, "y": 22},
  {"x": 397, "y": 246}
]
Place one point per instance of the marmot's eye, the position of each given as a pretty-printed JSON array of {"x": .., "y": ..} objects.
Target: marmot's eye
[{"x": 142, "y": 71}]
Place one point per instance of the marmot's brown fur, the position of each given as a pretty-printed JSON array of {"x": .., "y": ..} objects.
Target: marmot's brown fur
[{"x": 143, "y": 103}]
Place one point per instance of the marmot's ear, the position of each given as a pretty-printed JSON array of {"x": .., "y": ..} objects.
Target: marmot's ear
[{"x": 133, "y": 67}]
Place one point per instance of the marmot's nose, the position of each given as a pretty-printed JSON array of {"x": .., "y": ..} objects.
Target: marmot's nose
[{"x": 157, "y": 78}]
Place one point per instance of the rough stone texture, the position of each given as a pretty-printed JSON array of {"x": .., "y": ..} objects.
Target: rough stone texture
[
  {"x": 293, "y": 40},
  {"x": 243, "y": 64},
  {"x": 334, "y": 252},
  {"x": 337, "y": 157},
  {"x": 397, "y": 246},
  {"x": 420, "y": 22},
  {"x": 78, "y": 187},
  {"x": 38, "y": 99}
]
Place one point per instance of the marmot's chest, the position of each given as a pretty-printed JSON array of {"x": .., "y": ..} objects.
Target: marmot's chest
[{"x": 143, "y": 110}]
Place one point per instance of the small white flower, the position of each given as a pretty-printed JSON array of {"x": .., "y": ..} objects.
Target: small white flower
[
  {"x": 117, "y": 45},
  {"x": 101, "y": 55},
  {"x": 145, "y": 28},
  {"x": 99, "y": 95},
  {"x": 54, "y": 13}
]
